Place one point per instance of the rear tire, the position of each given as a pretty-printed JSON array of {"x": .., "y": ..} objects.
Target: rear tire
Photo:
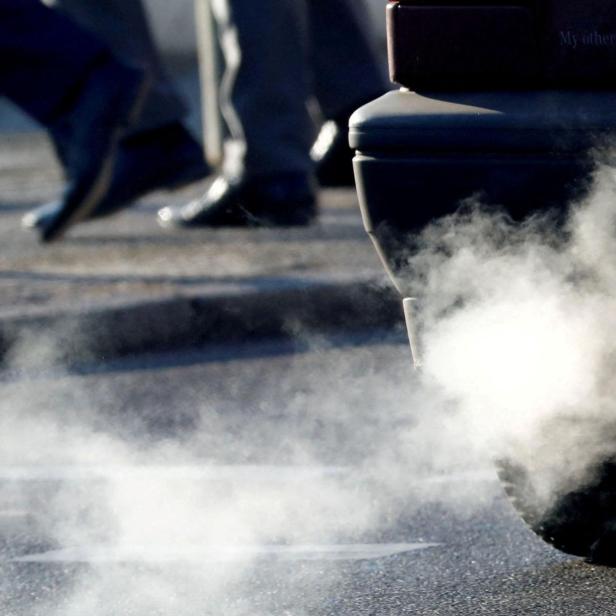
[{"x": 581, "y": 521}]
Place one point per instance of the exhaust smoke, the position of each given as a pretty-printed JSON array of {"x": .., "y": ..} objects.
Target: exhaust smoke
[
  {"x": 517, "y": 347},
  {"x": 517, "y": 328}
]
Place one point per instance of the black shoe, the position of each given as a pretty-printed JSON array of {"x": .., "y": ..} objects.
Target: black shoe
[
  {"x": 332, "y": 156},
  {"x": 110, "y": 101},
  {"x": 331, "y": 153},
  {"x": 285, "y": 200},
  {"x": 164, "y": 158}
]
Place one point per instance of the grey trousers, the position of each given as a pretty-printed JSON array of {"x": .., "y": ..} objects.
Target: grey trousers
[
  {"x": 279, "y": 56},
  {"x": 123, "y": 26}
]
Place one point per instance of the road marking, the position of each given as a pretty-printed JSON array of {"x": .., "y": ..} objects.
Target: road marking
[
  {"x": 209, "y": 554},
  {"x": 284, "y": 474},
  {"x": 230, "y": 472}
]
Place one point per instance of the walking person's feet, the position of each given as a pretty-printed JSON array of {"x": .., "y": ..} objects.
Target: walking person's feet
[
  {"x": 332, "y": 156},
  {"x": 163, "y": 158},
  {"x": 281, "y": 200},
  {"x": 107, "y": 105}
]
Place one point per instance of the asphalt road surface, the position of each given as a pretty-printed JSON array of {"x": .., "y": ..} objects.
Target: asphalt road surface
[{"x": 263, "y": 480}]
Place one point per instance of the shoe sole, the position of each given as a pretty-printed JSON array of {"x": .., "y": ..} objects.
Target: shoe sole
[
  {"x": 246, "y": 221},
  {"x": 102, "y": 182}
]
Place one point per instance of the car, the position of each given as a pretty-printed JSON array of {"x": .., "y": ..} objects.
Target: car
[{"x": 507, "y": 102}]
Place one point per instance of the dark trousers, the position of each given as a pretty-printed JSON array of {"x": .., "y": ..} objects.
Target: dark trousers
[
  {"x": 123, "y": 26},
  {"x": 279, "y": 55},
  {"x": 45, "y": 58}
]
